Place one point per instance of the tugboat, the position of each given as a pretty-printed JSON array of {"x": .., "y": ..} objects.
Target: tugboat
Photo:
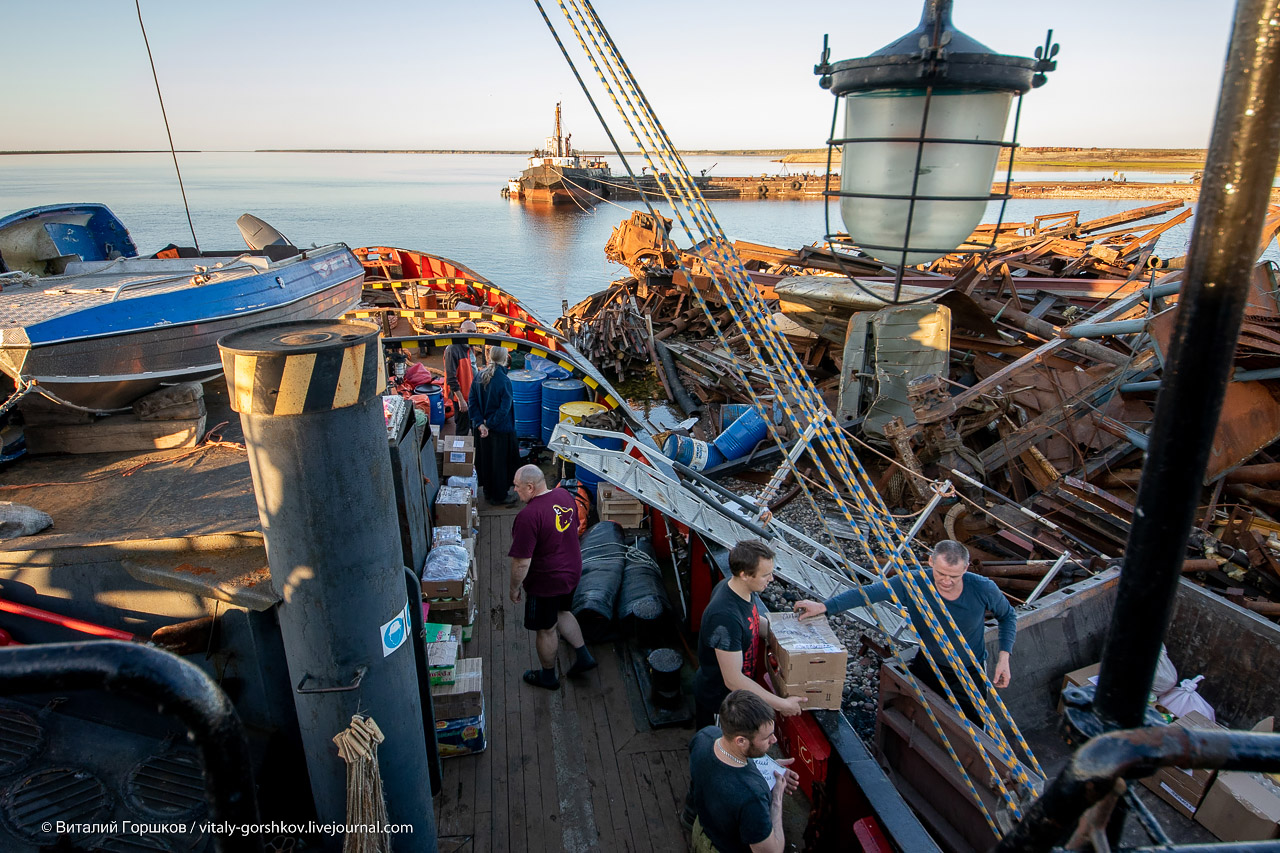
[{"x": 557, "y": 174}]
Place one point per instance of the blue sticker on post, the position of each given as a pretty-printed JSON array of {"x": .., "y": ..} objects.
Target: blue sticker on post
[{"x": 395, "y": 632}]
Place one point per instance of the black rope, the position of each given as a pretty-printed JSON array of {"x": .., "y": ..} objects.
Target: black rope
[{"x": 172, "y": 152}]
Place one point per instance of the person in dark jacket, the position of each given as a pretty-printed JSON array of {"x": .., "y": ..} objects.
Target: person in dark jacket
[
  {"x": 459, "y": 372},
  {"x": 492, "y": 411}
]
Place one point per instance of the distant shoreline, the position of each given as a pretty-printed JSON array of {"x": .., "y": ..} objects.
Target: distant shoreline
[{"x": 1178, "y": 159}]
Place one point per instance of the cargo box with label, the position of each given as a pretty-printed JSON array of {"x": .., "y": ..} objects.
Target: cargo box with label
[
  {"x": 442, "y": 651},
  {"x": 806, "y": 650},
  {"x": 463, "y": 736},
  {"x": 459, "y": 456}
]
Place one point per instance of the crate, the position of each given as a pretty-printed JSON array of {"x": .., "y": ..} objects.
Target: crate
[{"x": 613, "y": 504}]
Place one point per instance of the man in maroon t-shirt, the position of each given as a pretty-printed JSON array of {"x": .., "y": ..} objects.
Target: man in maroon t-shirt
[{"x": 546, "y": 563}]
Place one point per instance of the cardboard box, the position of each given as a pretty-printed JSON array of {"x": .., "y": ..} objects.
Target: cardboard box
[
  {"x": 1079, "y": 678},
  {"x": 1181, "y": 788},
  {"x": 441, "y": 604},
  {"x": 459, "y": 456},
  {"x": 460, "y": 737},
  {"x": 463, "y": 618},
  {"x": 443, "y": 588},
  {"x": 627, "y": 519},
  {"x": 819, "y": 695},
  {"x": 806, "y": 651},
  {"x": 446, "y": 535},
  {"x": 442, "y": 651},
  {"x": 454, "y": 507},
  {"x": 1241, "y": 807},
  {"x": 463, "y": 698}
]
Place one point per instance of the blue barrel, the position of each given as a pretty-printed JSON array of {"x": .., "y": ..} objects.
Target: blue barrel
[
  {"x": 730, "y": 412},
  {"x": 555, "y": 393},
  {"x": 545, "y": 365},
  {"x": 436, "y": 398},
  {"x": 742, "y": 435},
  {"x": 526, "y": 395},
  {"x": 696, "y": 454}
]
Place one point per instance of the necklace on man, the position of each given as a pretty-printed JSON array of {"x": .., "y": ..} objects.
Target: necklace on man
[{"x": 741, "y": 762}]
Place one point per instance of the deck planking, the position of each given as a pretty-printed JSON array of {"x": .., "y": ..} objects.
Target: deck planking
[{"x": 570, "y": 770}]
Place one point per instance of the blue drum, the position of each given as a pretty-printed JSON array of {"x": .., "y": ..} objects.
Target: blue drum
[
  {"x": 742, "y": 435},
  {"x": 555, "y": 393},
  {"x": 691, "y": 452},
  {"x": 436, "y": 398},
  {"x": 526, "y": 396},
  {"x": 730, "y": 412}
]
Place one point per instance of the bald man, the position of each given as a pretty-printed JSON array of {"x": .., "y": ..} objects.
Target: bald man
[{"x": 546, "y": 564}]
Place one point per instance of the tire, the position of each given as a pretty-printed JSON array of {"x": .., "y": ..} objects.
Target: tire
[
  {"x": 762, "y": 191},
  {"x": 795, "y": 185}
]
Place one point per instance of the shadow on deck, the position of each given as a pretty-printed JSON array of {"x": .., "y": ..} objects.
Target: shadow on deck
[{"x": 570, "y": 770}]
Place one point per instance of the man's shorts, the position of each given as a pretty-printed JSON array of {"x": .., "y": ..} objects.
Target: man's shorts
[{"x": 541, "y": 612}]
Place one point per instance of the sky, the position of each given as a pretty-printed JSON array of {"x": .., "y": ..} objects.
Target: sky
[{"x": 486, "y": 74}]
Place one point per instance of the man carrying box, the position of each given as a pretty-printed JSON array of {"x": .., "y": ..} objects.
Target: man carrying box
[
  {"x": 968, "y": 598},
  {"x": 546, "y": 562},
  {"x": 730, "y": 631}
]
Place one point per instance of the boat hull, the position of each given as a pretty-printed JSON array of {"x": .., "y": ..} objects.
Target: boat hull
[{"x": 110, "y": 369}]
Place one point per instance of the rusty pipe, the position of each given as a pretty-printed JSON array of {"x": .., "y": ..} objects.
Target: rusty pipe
[{"x": 1262, "y": 474}]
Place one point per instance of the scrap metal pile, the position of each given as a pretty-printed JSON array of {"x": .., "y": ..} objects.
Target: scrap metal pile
[{"x": 1026, "y": 376}]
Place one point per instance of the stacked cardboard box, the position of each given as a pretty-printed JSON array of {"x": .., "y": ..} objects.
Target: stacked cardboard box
[
  {"x": 613, "y": 504},
  {"x": 455, "y": 508},
  {"x": 1181, "y": 788},
  {"x": 453, "y": 601},
  {"x": 806, "y": 659},
  {"x": 442, "y": 651},
  {"x": 459, "y": 710}
]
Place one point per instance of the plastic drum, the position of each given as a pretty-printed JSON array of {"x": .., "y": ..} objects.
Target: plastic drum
[
  {"x": 555, "y": 393},
  {"x": 526, "y": 396},
  {"x": 696, "y": 454},
  {"x": 742, "y": 435},
  {"x": 574, "y": 413},
  {"x": 436, "y": 398}
]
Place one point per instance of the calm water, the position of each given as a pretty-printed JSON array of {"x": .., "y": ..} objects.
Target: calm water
[{"x": 446, "y": 204}]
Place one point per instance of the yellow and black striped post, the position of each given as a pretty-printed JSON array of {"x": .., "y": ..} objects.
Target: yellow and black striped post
[{"x": 309, "y": 395}]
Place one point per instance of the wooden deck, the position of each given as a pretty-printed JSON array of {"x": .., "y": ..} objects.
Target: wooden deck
[{"x": 570, "y": 770}]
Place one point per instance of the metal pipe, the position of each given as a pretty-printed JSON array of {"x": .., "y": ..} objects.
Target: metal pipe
[
  {"x": 308, "y": 394},
  {"x": 1238, "y": 376},
  {"x": 1102, "y": 330},
  {"x": 1049, "y": 576},
  {"x": 1131, "y": 754},
  {"x": 1233, "y": 202},
  {"x": 176, "y": 688}
]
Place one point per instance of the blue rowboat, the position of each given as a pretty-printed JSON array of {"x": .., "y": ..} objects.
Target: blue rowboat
[{"x": 95, "y": 327}]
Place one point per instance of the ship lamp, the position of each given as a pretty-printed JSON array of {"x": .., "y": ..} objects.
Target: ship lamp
[{"x": 924, "y": 124}]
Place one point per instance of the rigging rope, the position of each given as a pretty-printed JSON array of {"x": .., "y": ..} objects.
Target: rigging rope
[
  {"x": 164, "y": 115},
  {"x": 795, "y": 393}
]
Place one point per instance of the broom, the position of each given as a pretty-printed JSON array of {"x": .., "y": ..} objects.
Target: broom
[{"x": 366, "y": 807}]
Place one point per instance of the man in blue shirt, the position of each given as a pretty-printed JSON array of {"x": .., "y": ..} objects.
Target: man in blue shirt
[{"x": 968, "y": 598}]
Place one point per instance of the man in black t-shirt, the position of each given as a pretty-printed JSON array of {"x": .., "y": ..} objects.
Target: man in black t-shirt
[
  {"x": 734, "y": 810},
  {"x": 729, "y": 635}
]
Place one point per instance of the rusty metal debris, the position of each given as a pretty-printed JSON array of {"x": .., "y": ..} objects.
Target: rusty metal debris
[{"x": 1026, "y": 375}]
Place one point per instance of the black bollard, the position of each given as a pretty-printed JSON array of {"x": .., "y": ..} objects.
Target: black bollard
[{"x": 309, "y": 398}]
